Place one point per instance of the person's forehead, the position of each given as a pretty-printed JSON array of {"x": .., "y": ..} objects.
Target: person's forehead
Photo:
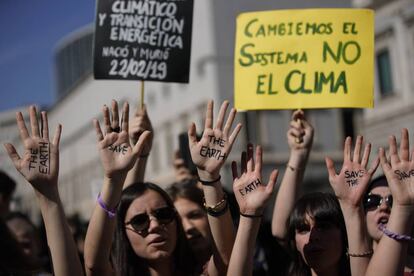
[
  {"x": 381, "y": 190},
  {"x": 146, "y": 203},
  {"x": 184, "y": 205}
]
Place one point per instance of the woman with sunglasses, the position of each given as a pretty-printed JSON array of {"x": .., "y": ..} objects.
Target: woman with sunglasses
[
  {"x": 390, "y": 253},
  {"x": 148, "y": 242}
]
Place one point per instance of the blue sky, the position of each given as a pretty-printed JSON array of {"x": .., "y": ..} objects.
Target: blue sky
[{"x": 29, "y": 33}]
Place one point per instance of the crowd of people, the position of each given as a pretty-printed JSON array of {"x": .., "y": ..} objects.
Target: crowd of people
[{"x": 195, "y": 226}]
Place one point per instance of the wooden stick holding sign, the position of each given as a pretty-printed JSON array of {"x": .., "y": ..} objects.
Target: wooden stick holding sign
[{"x": 142, "y": 95}]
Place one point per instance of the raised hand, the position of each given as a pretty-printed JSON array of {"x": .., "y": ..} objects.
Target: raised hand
[
  {"x": 210, "y": 153},
  {"x": 138, "y": 125},
  {"x": 251, "y": 195},
  {"x": 40, "y": 161},
  {"x": 300, "y": 134},
  {"x": 350, "y": 184},
  {"x": 117, "y": 155},
  {"x": 399, "y": 170}
]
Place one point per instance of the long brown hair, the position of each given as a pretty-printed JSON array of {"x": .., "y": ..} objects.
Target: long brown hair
[{"x": 124, "y": 259}]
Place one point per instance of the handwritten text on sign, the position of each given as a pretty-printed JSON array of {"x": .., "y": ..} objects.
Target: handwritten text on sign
[
  {"x": 143, "y": 40},
  {"x": 317, "y": 58}
]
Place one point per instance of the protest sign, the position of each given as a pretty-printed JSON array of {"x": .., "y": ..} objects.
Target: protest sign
[
  {"x": 315, "y": 58},
  {"x": 143, "y": 40}
]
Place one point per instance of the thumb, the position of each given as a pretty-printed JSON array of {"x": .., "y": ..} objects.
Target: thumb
[{"x": 143, "y": 138}]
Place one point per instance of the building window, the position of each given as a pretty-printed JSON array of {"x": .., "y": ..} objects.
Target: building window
[{"x": 384, "y": 73}]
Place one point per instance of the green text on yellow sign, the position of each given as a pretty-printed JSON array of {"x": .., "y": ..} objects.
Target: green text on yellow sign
[{"x": 314, "y": 58}]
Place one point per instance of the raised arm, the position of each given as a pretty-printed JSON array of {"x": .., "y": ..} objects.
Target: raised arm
[
  {"x": 139, "y": 123},
  {"x": 390, "y": 254},
  {"x": 117, "y": 157},
  {"x": 300, "y": 138},
  {"x": 209, "y": 155},
  {"x": 350, "y": 186},
  {"x": 252, "y": 197},
  {"x": 39, "y": 165}
]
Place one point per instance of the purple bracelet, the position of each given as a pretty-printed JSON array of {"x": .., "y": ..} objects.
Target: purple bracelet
[
  {"x": 111, "y": 213},
  {"x": 395, "y": 236}
]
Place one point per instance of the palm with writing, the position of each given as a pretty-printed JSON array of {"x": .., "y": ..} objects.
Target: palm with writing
[
  {"x": 352, "y": 181},
  {"x": 40, "y": 161},
  {"x": 117, "y": 155},
  {"x": 138, "y": 125},
  {"x": 399, "y": 171},
  {"x": 210, "y": 153},
  {"x": 251, "y": 195}
]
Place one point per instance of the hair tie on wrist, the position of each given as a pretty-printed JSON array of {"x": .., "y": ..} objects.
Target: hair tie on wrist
[
  {"x": 395, "y": 236},
  {"x": 110, "y": 212},
  {"x": 251, "y": 216},
  {"x": 293, "y": 168},
  {"x": 209, "y": 183}
]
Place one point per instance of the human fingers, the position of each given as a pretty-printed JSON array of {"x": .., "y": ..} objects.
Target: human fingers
[
  {"x": 209, "y": 115},
  {"x": 14, "y": 156},
  {"x": 24, "y": 133},
  {"x": 221, "y": 115},
  {"x": 125, "y": 117},
  {"x": 34, "y": 124},
  {"x": 99, "y": 134},
  {"x": 357, "y": 149},
  {"x": 107, "y": 120},
  {"x": 229, "y": 122},
  {"x": 44, "y": 126}
]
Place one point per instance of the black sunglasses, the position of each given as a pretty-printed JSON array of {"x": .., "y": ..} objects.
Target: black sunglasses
[
  {"x": 141, "y": 222},
  {"x": 373, "y": 201}
]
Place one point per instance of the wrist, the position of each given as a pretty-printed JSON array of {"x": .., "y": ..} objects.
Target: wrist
[
  {"x": 298, "y": 158},
  {"x": 207, "y": 176}
]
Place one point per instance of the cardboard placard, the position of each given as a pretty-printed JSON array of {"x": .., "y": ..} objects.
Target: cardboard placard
[
  {"x": 313, "y": 58},
  {"x": 143, "y": 40}
]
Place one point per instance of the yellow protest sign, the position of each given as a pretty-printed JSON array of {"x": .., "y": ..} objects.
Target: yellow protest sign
[{"x": 314, "y": 58}]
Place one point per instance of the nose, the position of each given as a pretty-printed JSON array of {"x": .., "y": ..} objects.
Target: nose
[
  {"x": 314, "y": 235},
  {"x": 384, "y": 206},
  {"x": 187, "y": 224},
  {"x": 154, "y": 224}
]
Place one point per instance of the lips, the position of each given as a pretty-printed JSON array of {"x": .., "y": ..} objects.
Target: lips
[
  {"x": 158, "y": 240},
  {"x": 383, "y": 219}
]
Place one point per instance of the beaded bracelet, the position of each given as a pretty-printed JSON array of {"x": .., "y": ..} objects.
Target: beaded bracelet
[
  {"x": 209, "y": 183},
  {"x": 110, "y": 212},
  {"x": 360, "y": 255},
  {"x": 395, "y": 236}
]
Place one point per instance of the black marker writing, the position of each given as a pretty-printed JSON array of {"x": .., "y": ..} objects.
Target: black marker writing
[
  {"x": 250, "y": 187},
  {"x": 352, "y": 177},
  {"x": 217, "y": 141},
  {"x": 404, "y": 175},
  {"x": 119, "y": 149},
  {"x": 44, "y": 158},
  {"x": 212, "y": 153},
  {"x": 33, "y": 159}
]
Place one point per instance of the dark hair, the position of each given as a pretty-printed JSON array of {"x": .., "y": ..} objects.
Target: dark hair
[
  {"x": 186, "y": 189},
  {"x": 7, "y": 185},
  {"x": 125, "y": 261},
  {"x": 322, "y": 207},
  {"x": 379, "y": 181}
]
